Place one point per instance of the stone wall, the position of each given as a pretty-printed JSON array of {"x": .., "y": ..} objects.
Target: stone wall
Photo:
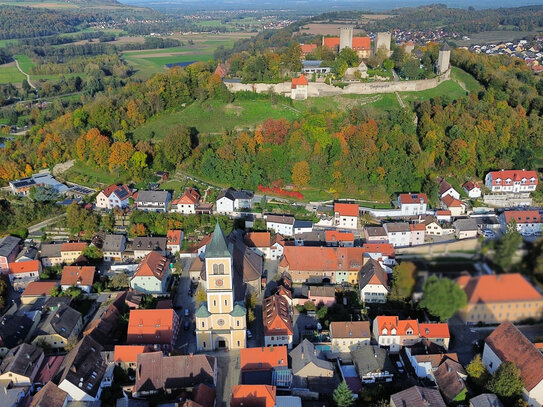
[
  {"x": 359, "y": 88},
  {"x": 445, "y": 248}
]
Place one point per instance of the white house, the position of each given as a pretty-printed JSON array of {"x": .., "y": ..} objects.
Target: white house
[
  {"x": 152, "y": 201},
  {"x": 398, "y": 233},
  {"x": 412, "y": 204},
  {"x": 446, "y": 189},
  {"x": 465, "y": 228},
  {"x": 264, "y": 245},
  {"x": 511, "y": 181},
  {"x": 373, "y": 282},
  {"x": 454, "y": 205},
  {"x": 114, "y": 196},
  {"x": 298, "y": 88},
  {"x": 345, "y": 215},
  {"x": 175, "y": 240},
  {"x": 22, "y": 273},
  {"x": 231, "y": 200},
  {"x": 282, "y": 224},
  {"x": 142, "y": 246},
  {"x": 302, "y": 226},
  {"x": 77, "y": 276},
  {"x": 151, "y": 276},
  {"x": 528, "y": 222},
  {"x": 472, "y": 189},
  {"x": 507, "y": 344},
  {"x": 186, "y": 203}
]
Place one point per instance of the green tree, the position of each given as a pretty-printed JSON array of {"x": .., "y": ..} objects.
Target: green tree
[
  {"x": 119, "y": 280},
  {"x": 349, "y": 56},
  {"x": 477, "y": 372},
  {"x": 507, "y": 246},
  {"x": 442, "y": 297},
  {"x": 343, "y": 397},
  {"x": 92, "y": 253},
  {"x": 403, "y": 280},
  {"x": 388, "y": 64},
  {"x": 411, "y": 68},
  {"x": 321, "y": 312},
  {"x": 200, "y": 296},
  {"x": 108, "y": 221},
  {"x": 506, "y": 382},
  {"x": 310, "y": 306},
  {"x": 177, "y": 145},
  {"x": 291, "y": 59}
]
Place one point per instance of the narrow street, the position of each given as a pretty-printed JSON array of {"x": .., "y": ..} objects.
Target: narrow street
[{"x": 186, "y": 339}]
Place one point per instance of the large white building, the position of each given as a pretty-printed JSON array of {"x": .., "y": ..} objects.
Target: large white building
[
  {"x": 152, "y": 274},
  {"x": 511, "y": 181},
  {"x": 412, "y": 204},
  {"x": 114, "y": 196},
  {"x": 231, "y": 200},
  {"x": 399, "y": 233},
  {"x": 346, "y": 215},
  {"x": 282, "y": 224}
]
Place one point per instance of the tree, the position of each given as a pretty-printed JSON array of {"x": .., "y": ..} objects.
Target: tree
[
  {"x": 343, "y": 397},
  {"x": 92, "y": 253},
  {"x": 477, "y": 372},
  {"x": 506, "y": 382},
  {"x": 120, "y": 280},
  {"x": 200, "y": 296},
  {"x": 349, "y": 56},
  {"x": 403, "y": 280},
  {"x": 388, "y": 64},
  {"x": 442, "y": 297},
  {"x": 507, "y": 246},
  {"x": 177, "y": 145},
  {"x": 291, "y": 59},
  {"x": 301, "y": 173},
  {"x": 310, "y": 306},
  {"x": 321, "y": 312},
  {"x": 411, "y": 68}
]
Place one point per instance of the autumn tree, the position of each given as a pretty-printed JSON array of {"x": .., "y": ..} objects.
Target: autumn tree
[
  {"x": 138, "y": 229},
  {"x": 301, "y": 173},
  {"x": 120, "y": 155},
  {"x": 403, "y": 280},
  {"x": 177, "y": 145},
  {"x": 477, "y": 372}
]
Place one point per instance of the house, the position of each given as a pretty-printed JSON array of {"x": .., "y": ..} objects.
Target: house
[
  {"x": 202, "y": 396},
  {"x": 151, "y": 275},
  {"x": 82, "y": 372},
  {"x": 49, "y": 396},
  {"x": 157, "y": 327},
  {"x": 472, "y": 189},
  {"x": 465, "y": 228},
  {"x": 346, "y": 215},
  {"x": 21, "y": 364},
  {"x": 375, "y": 234},
  {"x": 22, "y": 186},
  {"x": 307, "y": 361},
  {"x": 432, "y": 226},
  {"x": 425, "y": 358},
  {"x": 499, "y": 297},
  {"x": 28, "y": 253},
  {"x": 76, "y": 276},
  {"x": 222, "y": 70},
  {"x": 418, "y": 233},
  {"x": 10, "y": 246},
  {"x": 50, "y": 254},
  {"x": 114, "y": 196},
  {"x": 142, "y": 246},
  {"x": 325, "y": 295},
  {"x": 186, "y": 203},
  {"x": 263, "y": 244},
  {"x": 337, "y": 238},
  {"x": 14, "y": 330},
  {"x": 398, "y": 234},
  {"x": 69, "y": 252},
  {"x": 152, "y": 201},
  {"x": 443, "y": 215},
  {"x": 156, "y": 372},
  {"x": 60, "y": 327},
  {"x": 417, "y": 396},
  {"x": 302, "y": 227},
  {"x": 373, "y": 282},
  {"x": 231, "y": 200},
  {"x": 298, "y": 88},
  {"x": 450, "y": 378},
  {"x": 253, "y": 395},
  {"x": 446, "y": 189},
  {"x": 456, "y": 206},
  {"x": 372, "y": 364},
  {"x": 435, "y": 333},
  {"x": 37, "y": 289},
  {"x": 314, "y": 66},
  {"x": 175, "y": 240},
  {"x": 507, "y": 344},
  {"x": 308, "y": 49},
  {"x": 114, "y": 247},
  {"x": 527, "y": 222},
  {"x": 412, "y": 204},
  {"x": 23, "y": 273},
  {"x": 282, "y": 224},
  {"x": 346, "y": 336},
  {"x": 393, "y": 333},
  {"x": 277, "y": 321},
  {"x": 485, "y": 400},
  {"x": 382, "y": 252},
  {"x": 104, "y": 326},
  {"x": 258, "y": 365},
  {"x": 511, "y": 181}
]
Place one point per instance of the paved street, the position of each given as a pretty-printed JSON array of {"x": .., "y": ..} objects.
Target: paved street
[
  {"x": 228, "y": 366},
  {"x": 186, "y": 340}
]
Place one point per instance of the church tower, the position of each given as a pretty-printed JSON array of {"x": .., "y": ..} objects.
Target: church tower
[{"x": 220, "y": 321}]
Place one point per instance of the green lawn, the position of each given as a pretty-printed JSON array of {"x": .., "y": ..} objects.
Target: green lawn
[
  {"x": 471, "y": 84},
  {"x": 10, "y": 74},
  {"x": 83, "y": 174},
  {"x": 448, "y": 89},
  {"x": 25, "y": 63}
]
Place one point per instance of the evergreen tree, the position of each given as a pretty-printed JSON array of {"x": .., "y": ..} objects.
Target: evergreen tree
[{"x": 343, "y": 396}]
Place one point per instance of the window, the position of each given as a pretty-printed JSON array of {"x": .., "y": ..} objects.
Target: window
[
  {"x": 204, "y": 344},
  {"x": 203, "y": 324},
  {"x": 214, "y": 303}
]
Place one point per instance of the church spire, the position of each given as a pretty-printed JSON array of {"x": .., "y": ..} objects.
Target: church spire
[{"x": 218, "y": 247}]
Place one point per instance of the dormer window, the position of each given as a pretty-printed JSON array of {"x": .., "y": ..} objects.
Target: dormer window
[
  {"x": 385, "y": 331},
  {"x": 393, "y": 331},
  {"x": 498, "y": 181},
  {"x": 409, "y": 332}
]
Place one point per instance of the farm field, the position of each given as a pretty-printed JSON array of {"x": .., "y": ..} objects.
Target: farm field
[{"x": 10, "y": 74}]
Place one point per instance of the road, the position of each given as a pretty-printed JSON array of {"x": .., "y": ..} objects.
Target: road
[
  {"x": 38, "y": 226},
  {"x": 25, "y": 74},
  {"x": 186, "y": 339}
]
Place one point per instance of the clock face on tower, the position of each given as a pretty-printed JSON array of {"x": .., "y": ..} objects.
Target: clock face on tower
[
  {"x": 219, "y": 283},
  {"x": 221, "y": 322}
]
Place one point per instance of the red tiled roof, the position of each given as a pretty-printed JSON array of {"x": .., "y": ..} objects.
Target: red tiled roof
[
  {"x": 356, "y": 329},
  {"x": 443, "y": 213},
  {"x": 129, "y": 353},
  {"x": 174, "y": 237},
  {"x": 73, "y": 247},
  {"x": 413, "y": 198},
  {"x": 153, "y": 265},
  {"x": 359, "y": 43},
  {"x": 190, "y": 197},
  {"x": 123, "y": 189},
  {"x": 258, "y": 239},
  {"x": 345, "y": 209},
  {"x": 523, "y": 216},
  {"x": 469, "y": 185},
  {"x": 76, "y": 275},
  {"x": 264, "y": 358},
  {"x": 386, "y": 249},
  {"x": 309, "y": 258},
  {"x": 308, "y": 48},
  {"x": 452, "y": 202},
  {"x": 400, "y": 325},
  {"x": 24, "y": 267},
  {"x": 298, "y": 81},
  {"x": 337, "y": 236},
  {"x": 253, "y": 395},
  {"x": 514, "y": 175},
  {"x": 276, "y": 316},
  {"x": 417, "y": 226},
  {"x": 36, "y": 288},
  {"x": 498, "y": 288},
  {"x": 429, "y": 331},
  {"x": 151, "y": 326}
]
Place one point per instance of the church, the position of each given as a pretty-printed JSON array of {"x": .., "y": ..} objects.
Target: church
[{"x": 220, "y": 321}]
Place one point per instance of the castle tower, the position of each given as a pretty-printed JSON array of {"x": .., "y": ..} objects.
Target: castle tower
[
  {"x": 383, "y": 40},
  {"x": 345, "y": 37},
  {"x": 220, "y": 321},
  {"x": 443, "y": 59}
]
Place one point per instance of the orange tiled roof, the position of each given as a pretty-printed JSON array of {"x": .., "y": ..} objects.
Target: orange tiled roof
[
  {"x": 337, "y": 236},
  {"x": 253, "y": 395},
  {"x": 77, "y": 275},
  {"x": 443, "y": 213},
  {"x": 359, "y": 43},
  {"x": 309, "y": 258},
  {"x": 264, "y": 358},
  {"x": 452, "y": 202},
  {"x": 123, "y": 189},
  {"x": 39, "y": 288},
  {"x": 345, "y": 209},
  {"x": 523, "y": 216},
  {"x": 428, "y": 331},
  {"x": 129, "y": 353},
  {"x": 153, "y": 265},
  {"x": 24, "y": 267},
  {"x": 150, "y": 326},
  {"x": 413, "y": 198},
  {"x": 417, "y": 226},
  {"x": 385, "y": 249},
  {"x": 301, "y": 80},
  {"x": 73, "y": 247},
  {"x": 308, "y": 48},
  {"x": 276, "y": 316},
  {"x": 190, "y": 197},
  {"x": 469, "y": 185},
  {"x": 174, "y": 237},
  {"x": 498, "y": 288},
  {"x": 258, "y": 239},
  {"x": 401, "y": 325},
  {"x": 514, "y": 175}
]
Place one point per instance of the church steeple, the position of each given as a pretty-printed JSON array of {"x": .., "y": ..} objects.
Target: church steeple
[{"x": 217, "y": 248}]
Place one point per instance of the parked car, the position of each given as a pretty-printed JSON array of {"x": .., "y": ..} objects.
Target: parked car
[
  {"x": 489, "y": 233},
  {"x": 186, "y": 325},
  {"x": 187, "y": 312},
  {"x": 249, "y": 334}
]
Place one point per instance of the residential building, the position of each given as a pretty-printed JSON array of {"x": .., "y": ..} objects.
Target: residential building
[
  {"x": 231, "y": 200},
  {"x": 417, "y": 234},
  {"x": 435, "y": 333},
  {"x": 175, "y": 240},
  {"x": 412, "y": 204},
  {"x": 221, "y": 320},
  {"x": 186, "y": 203},
  {"x": 446, "y": 189},
  {"x": 82, "y": 372},
  {"x": 21, "y": 364},
  {"x": 76, "y": 276},
  {"x": 325, "y": 295},
  {"x": 151, "y": 275},
  {"x": 511, "y": 181},
  {"x": 383, "y": 253},
  {"x": 298, "y": 88},
  {"x": 253, "y": 395},
  {"x": 49, "y": 396},
  {"x": 10, "y": 246},
  {"x": 307, "y": 361},
  {"x": 50, "y": 254},
  {"x": 308, "y": 49},
  {"x": 258, "y": 365},
  {"x": 69, "y": 252},
  {"x": 507, "y": 344},
  {"x": 156, "y": 372},
  {"x": 277, "y": 321},
  {"x": 485, "y": 400},
  {"x": 465, "y": 228},
  {"x": 114, "y": 196},
  {"x": 302, "y": 227},
  {"x": 37, "y": 289},
  {"x": 114, "y": 247},
  {"x": 450, "y": 378},
  {"x": 499, "y": 297},
  {"x": 142, "y": 246},
  {"x": 157, "y": 327},
  {"x": 22, "y": 186},
  {"x": 417, "y": 396},
  {"x": 432, "y": 227},
  {"x": 23, "y": 273},
  {"x": 527, "y": 222},
  {"x": 346, "y": 215},
  {"x": 282, "y": 224},
  {"x": 60, "y": 327},
  {"x": 347, "y": 336},
  {"x": 372, "y": 364},
  {"x": 426, "y": 361},
  {"x": 263, "y": 244},
  {"x": 337, "y": 238},
  {"x": 373, "y": 282},
  {"x": 472, "y": 189},
  {"x": 152, "y": 201},
  {"x": 14, "y": 330},
  {"x": 28, "y": 253},
  {"x": 398, "y": 234},
  {"x": 376, "y": 234},
  {"x": 456, "y": 206},
  {"x": 443, "y": 215}
]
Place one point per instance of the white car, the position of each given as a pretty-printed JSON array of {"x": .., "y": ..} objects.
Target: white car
[
  {"x": 249, "y": 334},
  {"x": 488, "y": 233}
]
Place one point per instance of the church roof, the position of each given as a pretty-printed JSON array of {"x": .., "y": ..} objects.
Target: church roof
[
  {"x": 202, "y": 312},
  {"x": 217, "y": 248},
  {"x": 238, "y": 311}
]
